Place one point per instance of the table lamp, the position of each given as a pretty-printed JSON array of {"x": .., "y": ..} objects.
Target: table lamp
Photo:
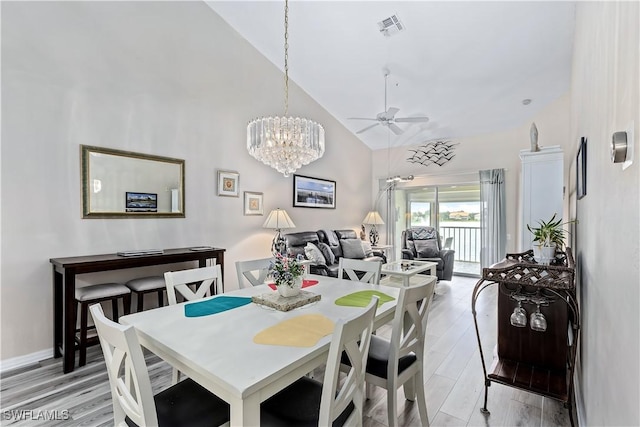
[
  {"x": 278, "y": 220},
  {"x": 373, "y": 218}
]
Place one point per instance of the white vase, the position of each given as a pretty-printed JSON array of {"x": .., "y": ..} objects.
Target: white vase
[
  {"x": 290, "y": 291},
  {"x": 544, "y": 254}
]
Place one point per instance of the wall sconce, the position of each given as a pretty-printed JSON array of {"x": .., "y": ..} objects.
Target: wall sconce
[{"x": 622, "y": 144}]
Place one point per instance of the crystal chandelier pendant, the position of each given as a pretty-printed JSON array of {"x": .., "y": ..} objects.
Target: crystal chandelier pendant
[{"x": 285, "y": 143}]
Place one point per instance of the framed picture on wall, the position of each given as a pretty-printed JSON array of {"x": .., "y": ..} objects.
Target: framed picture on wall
[
  {"x": 581, "y": 169},
  {"x": 311, "y": 192},
  {"x": 228, "y": 183},
  {"x": 253, "y": 203}
]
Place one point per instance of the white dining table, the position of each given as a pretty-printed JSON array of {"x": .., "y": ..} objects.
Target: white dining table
[{"x": 218, "y": 352}]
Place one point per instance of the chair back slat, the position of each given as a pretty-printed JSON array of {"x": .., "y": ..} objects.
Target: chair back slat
[
  {"x": 204, "y": 278},
  {"x": 253, "y": 271},
  {"x": 131, "y": 391},
  {"x": 369, "y": 270},
  {"x": 409, "y": 324},
  {"x": 352, "y": 336}
]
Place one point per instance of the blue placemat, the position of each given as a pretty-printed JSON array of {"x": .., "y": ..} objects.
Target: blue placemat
[{"x": 214, "y": 306}]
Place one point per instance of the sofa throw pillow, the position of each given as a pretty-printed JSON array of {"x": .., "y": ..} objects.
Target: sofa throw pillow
[
  {"x": 328, "y": 254},
  {"x": 352, "y": 248},
  {"x": 366, "y": 247},
  {"x": 427, "y": 248},
  {"x": 313, "y": 254}
]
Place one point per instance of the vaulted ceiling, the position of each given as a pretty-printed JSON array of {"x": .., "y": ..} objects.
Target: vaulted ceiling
[{"x": 466, "y": 65}]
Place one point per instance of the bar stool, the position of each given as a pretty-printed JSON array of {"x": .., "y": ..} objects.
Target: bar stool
[
  {"x": 144, "y": 285},
  {"x": 92, "y": 294}
]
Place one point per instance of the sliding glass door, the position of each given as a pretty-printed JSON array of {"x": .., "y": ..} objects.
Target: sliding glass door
[{"x": 454, "y": 210}]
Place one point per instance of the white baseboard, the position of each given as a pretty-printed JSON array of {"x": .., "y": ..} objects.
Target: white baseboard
[{"x": 27, "y": 359}]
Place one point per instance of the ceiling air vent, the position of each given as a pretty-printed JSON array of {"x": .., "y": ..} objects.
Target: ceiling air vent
[{"x": 390, "y": 26}]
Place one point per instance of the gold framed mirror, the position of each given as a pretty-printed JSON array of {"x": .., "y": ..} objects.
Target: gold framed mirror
[{"x": 124, "y": 184}]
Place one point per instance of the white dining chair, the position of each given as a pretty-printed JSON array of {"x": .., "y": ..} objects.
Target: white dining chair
[
  {"x": 369, "y": 270},
  {"x": 333, "y": 402},
  {"x": 179, "y": 282},
  {"x": 204, "y": 277},
  {"x": 400, "y": 361},
  {"x": 254, "y": 271},
  {"x": 186, "y": 403}
]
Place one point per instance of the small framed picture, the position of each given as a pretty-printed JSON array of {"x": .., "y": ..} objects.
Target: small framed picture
[
  {"x": 253, "y": 203},
  {"x": 141, "y": 202},
  {"x": 228, "y": 183},
  {"x": 581, "y": 169}
]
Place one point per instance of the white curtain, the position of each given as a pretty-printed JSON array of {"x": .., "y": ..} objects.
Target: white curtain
[{"x": 493, "y": 223}]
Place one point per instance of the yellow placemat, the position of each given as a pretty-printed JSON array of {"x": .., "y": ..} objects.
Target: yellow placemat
[{"x": 300, "y": 331}]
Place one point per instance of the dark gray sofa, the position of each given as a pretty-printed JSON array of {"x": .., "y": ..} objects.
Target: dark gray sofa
[{"x": 296, "y": 243}]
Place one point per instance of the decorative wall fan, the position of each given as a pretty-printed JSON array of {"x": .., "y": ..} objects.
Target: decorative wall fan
[
  {"x": 435, "y": 152},
  {"x": 388, "y": 116}
]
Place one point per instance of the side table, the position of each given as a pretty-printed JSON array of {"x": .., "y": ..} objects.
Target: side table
[
  {"x": 403, "y": 271},
  {"x": 385, "y": 249}
]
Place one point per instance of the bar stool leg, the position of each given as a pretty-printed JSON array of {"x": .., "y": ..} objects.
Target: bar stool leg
[
  {"x": 114, "y": 308},
  {"x": 160, "y": 298},
  {"x": 140, "y": 297},
  {"x": 126, "y": 300},
  {"x": 84, "y": 311}
]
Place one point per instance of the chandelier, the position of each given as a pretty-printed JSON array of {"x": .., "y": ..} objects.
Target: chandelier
[{"x": 285, "y": 143}]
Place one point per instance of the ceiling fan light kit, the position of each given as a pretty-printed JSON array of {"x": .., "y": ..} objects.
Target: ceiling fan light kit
[{"x": 285, "y": 143}]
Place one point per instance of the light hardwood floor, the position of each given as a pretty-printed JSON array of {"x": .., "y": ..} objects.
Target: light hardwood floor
[{"x": 453, "y": 378}]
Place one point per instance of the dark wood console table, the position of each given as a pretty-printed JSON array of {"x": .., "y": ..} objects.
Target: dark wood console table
[
  {"x": 65, "y": 271},
  {"x": 540, "y": 362}
]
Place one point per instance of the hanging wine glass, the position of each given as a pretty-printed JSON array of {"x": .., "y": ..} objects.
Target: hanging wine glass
[
  {"x": 538, "y": 322},
  {"x": 519, "y": 315}
]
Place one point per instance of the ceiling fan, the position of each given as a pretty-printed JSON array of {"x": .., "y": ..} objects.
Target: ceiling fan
[{"x": 388, "y": 116}]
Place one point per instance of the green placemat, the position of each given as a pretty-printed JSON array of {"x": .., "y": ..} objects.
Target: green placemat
[
  {"x": 363, "y": 298},
  {"x": 215, "y": 305}
]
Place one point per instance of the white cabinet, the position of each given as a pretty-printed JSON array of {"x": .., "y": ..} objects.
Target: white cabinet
[{"x": 541, "y": 189}]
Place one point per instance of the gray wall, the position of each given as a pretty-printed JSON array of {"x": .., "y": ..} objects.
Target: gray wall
[
  {"x": 164, "y": 78},
  {"x": 606, "y": 98}
]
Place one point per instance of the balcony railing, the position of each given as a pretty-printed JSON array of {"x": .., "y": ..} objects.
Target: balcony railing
[{"x": 466, "y": 242}]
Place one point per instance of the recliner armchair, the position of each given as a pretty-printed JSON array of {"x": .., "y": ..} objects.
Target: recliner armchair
[{"x": 423, "y": 244}]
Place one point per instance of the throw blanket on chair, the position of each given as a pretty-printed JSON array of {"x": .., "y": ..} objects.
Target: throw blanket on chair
[{"x": 423, "y": 233}]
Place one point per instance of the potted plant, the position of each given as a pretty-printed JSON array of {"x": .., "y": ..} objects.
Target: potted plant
[
  {"x": 287, "y": 274},
  {"x": 548, "y": 237}
]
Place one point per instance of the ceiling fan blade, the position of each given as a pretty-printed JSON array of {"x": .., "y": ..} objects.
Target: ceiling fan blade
[
  {"x": 362, "y": 118},
  {"x": 367, "y": 128},
  {"x": 412, "y": 120},
  {"x": 390, "y": 113},
  {"x": 395, "y": 129}
]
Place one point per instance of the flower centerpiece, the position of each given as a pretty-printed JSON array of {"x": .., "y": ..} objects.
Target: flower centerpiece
[{"x": 287, "y": 274}]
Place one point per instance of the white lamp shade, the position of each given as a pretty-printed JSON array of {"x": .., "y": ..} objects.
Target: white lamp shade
[
  {"x": 278, "y": 220},
  {"x": 373, "y": 218}
]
